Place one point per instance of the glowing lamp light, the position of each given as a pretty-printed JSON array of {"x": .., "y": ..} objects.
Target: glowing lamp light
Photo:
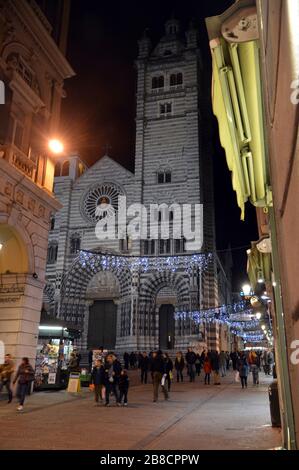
[
  {"x": 258, "y": 315},
  {"x": 56, "y": 146},
  {"x": 1, "y": 246},
  {"x": 263, "y": 327},
  {"x": 246, "y": 289},
  {"x": 53, "y": 328}
]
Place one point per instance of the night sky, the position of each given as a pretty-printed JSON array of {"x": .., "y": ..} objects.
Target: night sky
[{"x": 100, "y": 104}]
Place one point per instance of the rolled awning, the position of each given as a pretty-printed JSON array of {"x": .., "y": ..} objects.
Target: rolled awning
[
  {"x": 237, "y": 104},
  {"x": 259, "y": 265}
]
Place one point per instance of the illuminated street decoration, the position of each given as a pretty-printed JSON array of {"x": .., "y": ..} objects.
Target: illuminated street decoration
[
  {"x": 146, "y": 263},
  {"x": 238, "y": 316}
]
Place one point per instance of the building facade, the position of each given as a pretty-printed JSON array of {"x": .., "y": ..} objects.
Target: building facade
[
  {"x": 114, "y": 301},
  {"x": 33, "y": 70}
]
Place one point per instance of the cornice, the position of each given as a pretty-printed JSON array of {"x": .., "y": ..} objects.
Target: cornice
[{"x": 44, "y": 41}]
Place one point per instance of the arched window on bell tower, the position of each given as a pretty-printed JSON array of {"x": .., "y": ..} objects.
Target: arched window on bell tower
[
  {"x": 65, "y": 168},
  {"x": 57, "y": 169}
]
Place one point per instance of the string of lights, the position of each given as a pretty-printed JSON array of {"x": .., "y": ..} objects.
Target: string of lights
[
  {"x": 240, "y": 322},
  {"x": 109, "y": 261}
]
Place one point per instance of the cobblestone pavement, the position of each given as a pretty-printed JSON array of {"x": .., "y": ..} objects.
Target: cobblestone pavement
[{"x": 195, "y": 417}]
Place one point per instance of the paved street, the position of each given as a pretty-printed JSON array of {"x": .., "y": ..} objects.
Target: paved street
[{"x": 195, "y": 417}]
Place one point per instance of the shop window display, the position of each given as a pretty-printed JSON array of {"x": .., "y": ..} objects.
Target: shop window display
[{"x": 51, "y": 369}]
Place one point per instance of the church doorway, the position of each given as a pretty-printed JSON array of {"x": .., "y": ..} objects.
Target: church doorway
[
  {"x": 166, "y": 327},
  {"x": 102, "y": 325}
]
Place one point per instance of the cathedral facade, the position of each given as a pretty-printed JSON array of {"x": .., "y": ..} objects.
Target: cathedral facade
[{"x": 100, "y": 285}]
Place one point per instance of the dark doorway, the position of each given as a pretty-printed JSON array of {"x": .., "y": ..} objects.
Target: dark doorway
[
  {"x": 102, "y": 325},
  {"x": 166, "y": 327}
]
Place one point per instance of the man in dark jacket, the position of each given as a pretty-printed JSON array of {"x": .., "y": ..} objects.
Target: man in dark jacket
[
  {"x": 126, "y": 360},
  {"x": 6, "y": 372},
  {"x": 25, "y": 375},
  {"x": 144, "y": 366},
  {"x": 98, "y": 380},
  {"x": 133, "y": 359},
  {"x": 215, "y": 363},
  {"x": 158, "y": 372},
  {"x": 112, "y": 375},
  {"x": 190, "y": 360},
  {"x": 179, "y": 365}
]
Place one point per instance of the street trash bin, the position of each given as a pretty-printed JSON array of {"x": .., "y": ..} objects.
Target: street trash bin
[{"x": 274, "y": 404}]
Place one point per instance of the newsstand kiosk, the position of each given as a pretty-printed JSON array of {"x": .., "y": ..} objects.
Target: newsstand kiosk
[{"x": 55, "y": 345}]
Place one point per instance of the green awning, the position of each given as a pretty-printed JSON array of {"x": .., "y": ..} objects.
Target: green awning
[
  {"x": 259, "y": 265},
  {"x": 237, "y": 104}
]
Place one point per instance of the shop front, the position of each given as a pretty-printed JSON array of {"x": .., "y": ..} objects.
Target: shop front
[{"x": 54, "y": 348}]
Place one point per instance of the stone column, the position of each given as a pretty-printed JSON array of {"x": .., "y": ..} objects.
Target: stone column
[
  {"x": 21, "y": 301},
  {"x": 83, "y": 342}
]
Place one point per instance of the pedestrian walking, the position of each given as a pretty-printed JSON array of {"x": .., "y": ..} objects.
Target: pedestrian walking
[
  {"x": 179, "y": 365},
  {"x": 90, "y": 359},
  {"x": 73, "y": 363},
  {"x": 144, "y": 367},
  {"x": 24, "y": 377},
  {"x": 227, "y": 360},
  {"x": 215, "y": 367},
  {"x": 126, "y": 360},
  {"x": 207, "y": 370},
  {"x": 222, "y": 363},
  {"x": 133, "y": 359},
  {"x": 168, "y": 370},
  {"x": 158, "y": 370},
  {"x": 112, "y": 374},
  {"x": 270, "y": 361},
  {"x": 6, "y": 371},
  {"x": 243, "y": 370},
  {"x": 266, "y": 365},
  {"x": 197, "y": 365},
  {"x": 124, "y": 382},
  {"x": 234, "y": 359},
  {"x": 253, "y": 360},
  {"x": 98, "y": 381},
  {"x": 152, "y": 356},
  {"x": 203, "y": 356},
  {"x": 190, "y": 360}
]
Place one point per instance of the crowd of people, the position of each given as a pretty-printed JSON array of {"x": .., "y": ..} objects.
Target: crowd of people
[{"x": 109, "y": 377}]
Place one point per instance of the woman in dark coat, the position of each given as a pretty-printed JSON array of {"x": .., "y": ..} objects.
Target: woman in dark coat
[
  {"x": 179, "y": 365},
  {"x": 25, "y": 375},
  {"x": 243, "y": 368},
  {"x": 98, "y": 380}
]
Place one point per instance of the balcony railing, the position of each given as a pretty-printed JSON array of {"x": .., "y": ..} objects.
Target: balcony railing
[{"x": 19, "y": 160}]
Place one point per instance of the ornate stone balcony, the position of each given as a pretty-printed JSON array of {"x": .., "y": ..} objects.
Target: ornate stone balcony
[{"x": 19, "y": 160}]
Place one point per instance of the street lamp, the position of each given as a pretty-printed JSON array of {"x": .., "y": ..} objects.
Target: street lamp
[
  {"x": 263, "y": 327},
  {"x": 258, "y": 315},
  {"x": 56, "y": 146}
]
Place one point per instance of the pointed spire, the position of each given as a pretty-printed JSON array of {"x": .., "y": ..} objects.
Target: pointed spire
[
  {"x": 144, "y": 44},
  {"x": 192, "y": 35},
  {"x": 172, "y": 26}
]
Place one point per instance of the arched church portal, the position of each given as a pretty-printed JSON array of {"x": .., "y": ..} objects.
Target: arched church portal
[
  {"x": 166, "y": 300},
  {"x": 103, "y": 292}
]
